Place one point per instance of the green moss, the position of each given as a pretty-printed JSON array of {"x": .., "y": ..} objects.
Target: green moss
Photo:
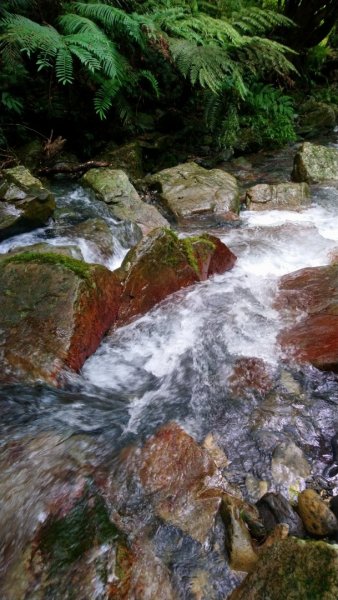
[
  {"x": 80, "y": 268},
  {"x": 204, "y": 246},
  {"x": 63, "y": 541}
]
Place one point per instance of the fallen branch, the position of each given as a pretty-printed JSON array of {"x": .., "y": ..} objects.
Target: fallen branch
[{"x": 67, "y": 168}]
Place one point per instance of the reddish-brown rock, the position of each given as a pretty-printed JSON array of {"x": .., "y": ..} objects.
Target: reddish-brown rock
[
  {"x": 313, "y": 339},
  {"x": 250, "y": 375},
  {"x": 162, "y": 264},
  {"x": 55, "y": 311},
  {"x": 180, "y": 476}
]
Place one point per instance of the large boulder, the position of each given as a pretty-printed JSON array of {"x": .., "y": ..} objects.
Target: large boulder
[
  {"x": 283, "y": 196},
  {"x": 43, "y": 247},
  {"x": 162, "y": 264},
  {"x": 314, "y": 337},
  {"x": 24, "y": 202},
  {"x": 315, "y": 117},
  {"x": 293, "y": 569},
  {"x": 189, "y": 191},
  {"x": 55, "y": 311},
  {"x": 127, "y": 157},
  {"x": 315, "y": 164},
  {"x": 114, "y": 188}
]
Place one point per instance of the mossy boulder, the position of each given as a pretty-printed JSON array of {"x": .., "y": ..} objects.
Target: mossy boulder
[
  {"x": 114, "y": 188},
  {"x": 315, "y": 164},
  {"x": 189, "y": 192},
  {"x": 24, "y": 202},
  {"x": 315, "y": 117},
  {"x": 312, "y": 295},
  {"x": 295, "y": 570},
  {"x": 162, "y": 264},
  {"x": 283, "y": 196},
  {"x": 75, "y": 553},
  {"x": 127, "y": 157},
  {"x": 55, "y": 311},
  {"x": 43, "y": 248}
]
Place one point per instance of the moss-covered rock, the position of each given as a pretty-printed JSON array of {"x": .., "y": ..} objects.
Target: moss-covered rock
[
  {"x": 55, "y": 310},
  {"x": 295, "y": 570},
  {"x": 162, "y": 264},
  {"x": 189, "y": 192},
  {"x": 315, "y": 117},
  {"x": 315, "y": 164},
  {"x": 127, "y": 157},
  {"x": 114, "y": 188},
  {"x": 43, "y": 248},
  {"x": 24, "y": 202},
  {"x": 283, "y": 196}
]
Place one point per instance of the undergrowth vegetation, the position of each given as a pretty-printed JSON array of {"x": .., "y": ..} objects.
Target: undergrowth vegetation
[{"x": 133, "y": 61}]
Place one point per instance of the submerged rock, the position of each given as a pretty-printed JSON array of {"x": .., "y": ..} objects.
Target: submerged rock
[
  {"x": 55, "y": 311},
  {"x": 293, "y": 569},
  {"x": 24, "y": 202},
  {"x": 289, "y": 467},
  {"x": 283, "y": 196},
  {"x": 189, "y": 191},
  {"x": 318, "y": 519},
  {"x": 114, "y": 188},
  {"x": 314, "y": 338},
  {"x": 176, "y": 475},
  {"x": 162, "y": 264},
  {"x": 315, "y": 164}
]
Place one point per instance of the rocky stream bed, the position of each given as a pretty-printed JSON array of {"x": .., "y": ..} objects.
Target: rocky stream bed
[{"x": 169, "y": 395}]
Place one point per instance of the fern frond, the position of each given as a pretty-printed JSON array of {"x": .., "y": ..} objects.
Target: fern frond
[
  {"x": 112, "y": 19},
  {"x": 206, "y": 65},
  {"x": 256, "y": 21}
]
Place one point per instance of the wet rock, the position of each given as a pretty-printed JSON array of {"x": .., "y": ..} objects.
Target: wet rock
[
  {"x": 256, "y": 488},
  {"x": 250, "y": 375},
  {"x": 177, "y": 476},
  {"x": 127, "y": 157},
  {"x": 216, "y": 453},
  {"x": 150, "y": 579},
  {"x": 96, "y": 231},
  {"x": 241, "y": 553},
  {"x": 293, "y": 568},
  {"x": 189, "y": 191},
  {"x": 318, "y": 519},
  {"x": 289, "y": 467},
  {"x": 42, "y": 248},
  {"x": 274, "y": 509},
  {"x": 74, "y": 554},
  {"x": 283, "y": 196},
  {"x": 162, "y": 264},
  {"x": 24, "y": 202},
  {"x": 314, "y": 338},
  {"x": 114, "y": 188},
  {"x": 55, "y": 311},
  {"x": 315, "y": 164}
]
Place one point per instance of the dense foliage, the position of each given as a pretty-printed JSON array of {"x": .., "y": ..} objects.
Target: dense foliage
[{"x": 137, "y": 61}]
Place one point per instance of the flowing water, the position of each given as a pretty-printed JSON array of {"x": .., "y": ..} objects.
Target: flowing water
[{"x": 176, "y": 364}]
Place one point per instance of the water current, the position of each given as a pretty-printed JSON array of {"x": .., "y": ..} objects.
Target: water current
[{"x": 176, "y": 363}]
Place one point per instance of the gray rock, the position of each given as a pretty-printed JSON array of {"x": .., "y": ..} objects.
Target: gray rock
[
  {"x": 24, "y": 202},
  {"x": 190, "y": 191},
  {"x": 96, "y": 231},
  {"x": 283, "y": 196},
  {"x": 114, "y": 188},
  {"x": 289, "y": 467},
  {"x": 275, "y": 509},
  {"x": 315, "y": 164}
]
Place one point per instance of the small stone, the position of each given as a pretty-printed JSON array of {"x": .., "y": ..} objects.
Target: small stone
[
  {"x": 289, "y": 466},
  {"x": 216, "y": 453},
  {"x": 275, "y": 509},
  {"x": 318, "y": 519},
  {"x": 242, "y": 556},
  {"x": 256, "y": 487}
]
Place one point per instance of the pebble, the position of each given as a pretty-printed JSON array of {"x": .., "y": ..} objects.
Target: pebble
[{"x": 318, "y": 519}]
